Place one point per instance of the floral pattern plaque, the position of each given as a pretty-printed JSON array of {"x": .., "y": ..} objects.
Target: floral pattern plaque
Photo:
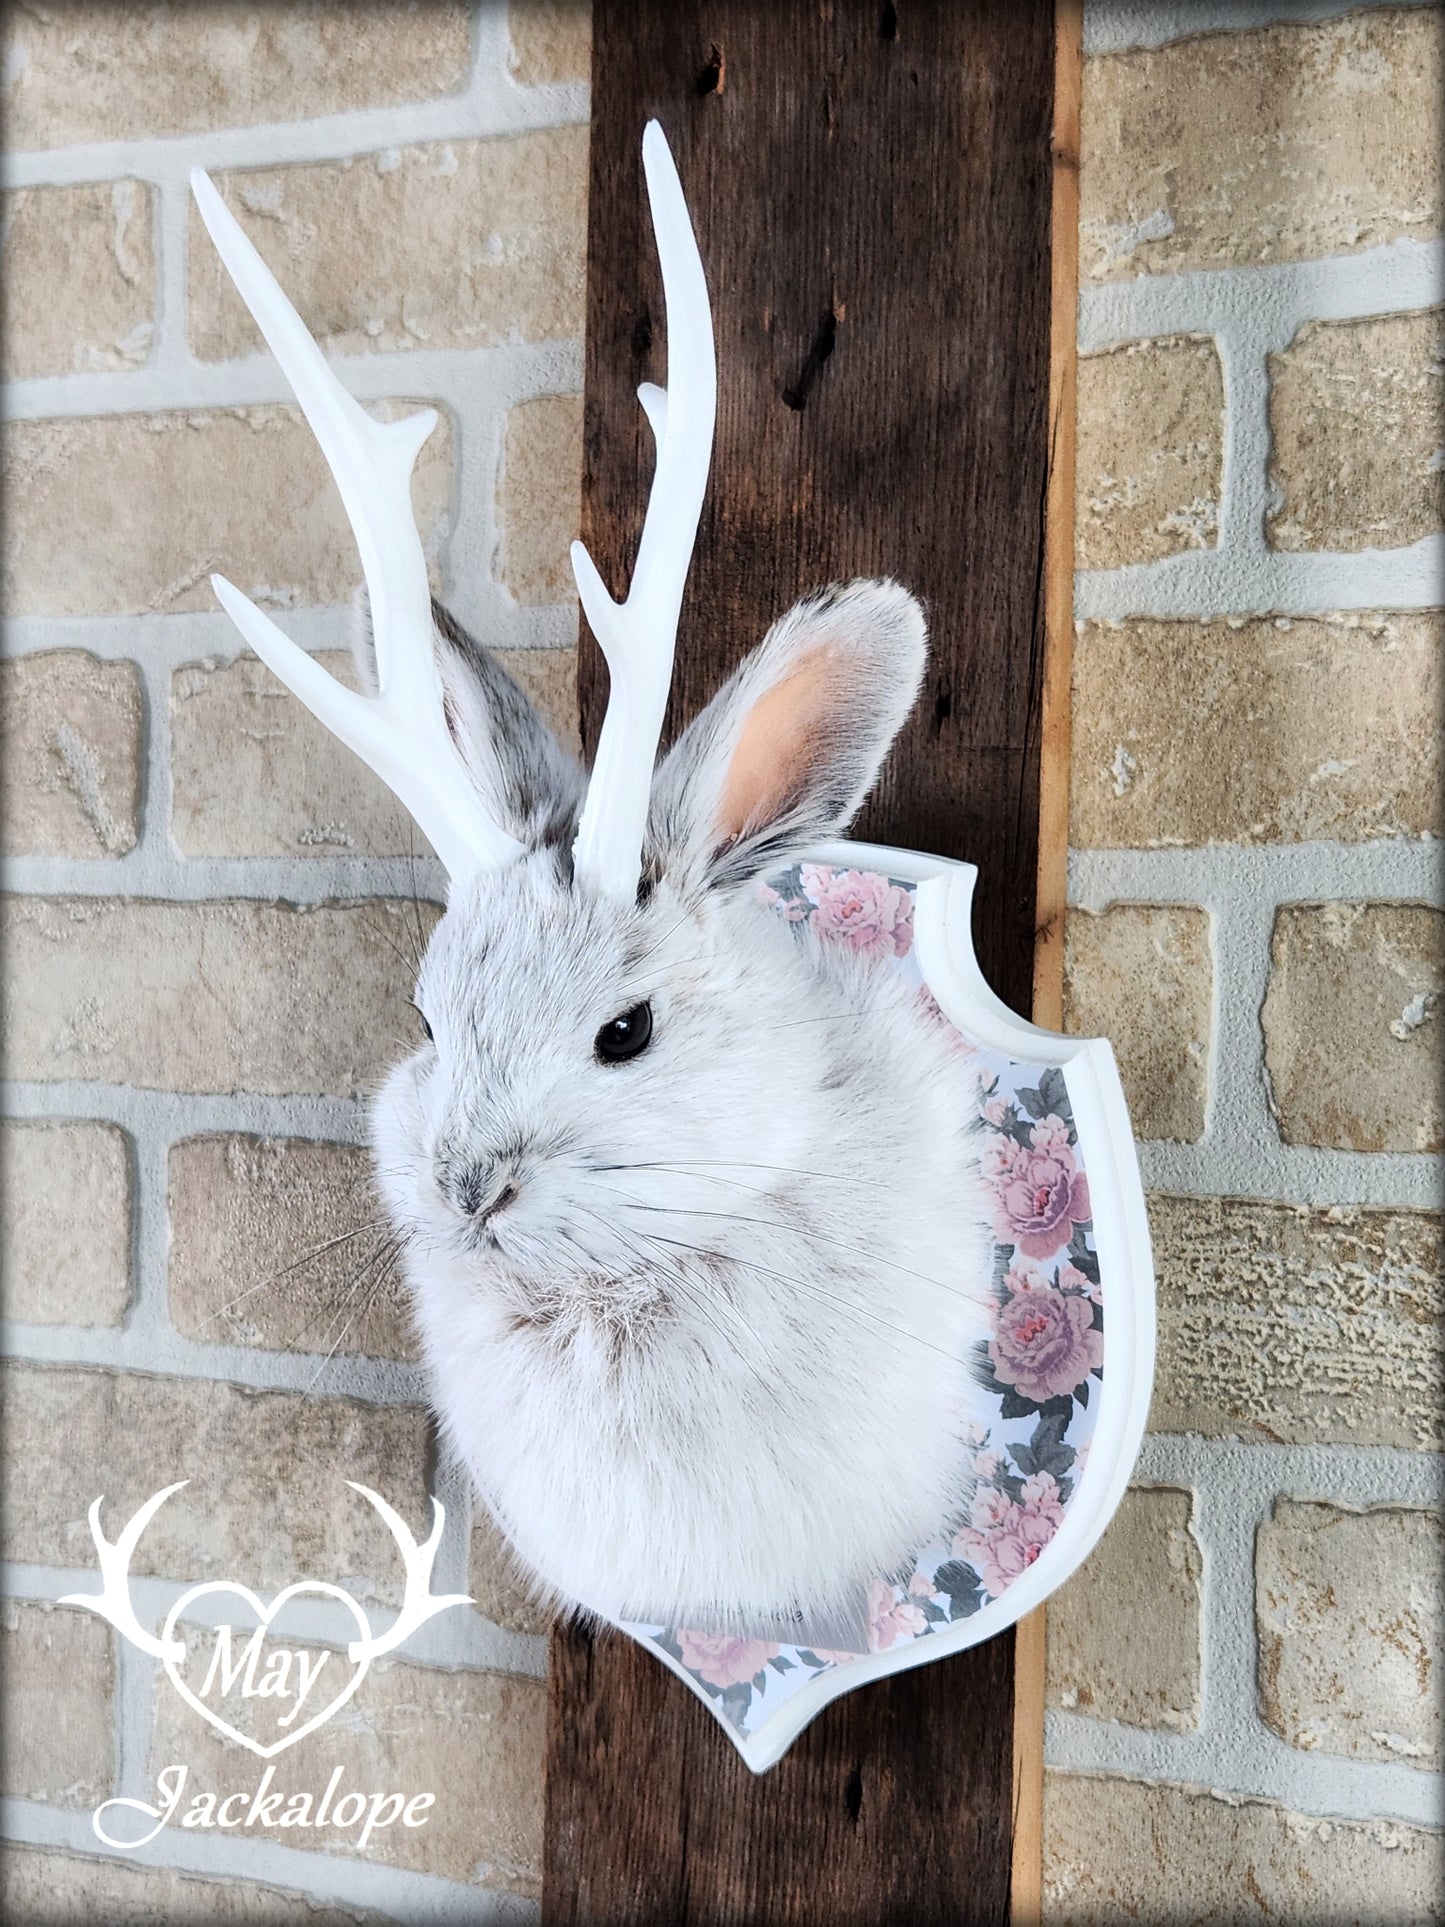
[{"x": 1070, "y": 1352}]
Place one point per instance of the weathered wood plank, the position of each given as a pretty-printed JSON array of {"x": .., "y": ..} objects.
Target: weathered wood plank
[
  {"x": 871, "y": 185},
  {"x": 1052, "y": 889}
]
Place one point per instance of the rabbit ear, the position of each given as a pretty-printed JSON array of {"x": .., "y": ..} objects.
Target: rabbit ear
[
  {"x": 527, "y": 781},
  {"x": 786, "y": 751}
]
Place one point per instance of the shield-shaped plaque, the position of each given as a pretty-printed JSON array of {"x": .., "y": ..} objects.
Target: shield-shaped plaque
[{"x": 1058, "y": 1397}]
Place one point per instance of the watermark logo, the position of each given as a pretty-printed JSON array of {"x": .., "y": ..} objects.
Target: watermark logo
[{"x": 287, "y": 1690}]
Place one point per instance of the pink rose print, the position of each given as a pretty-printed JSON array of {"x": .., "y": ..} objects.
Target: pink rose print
[
  {"x": 868, "y": 912},
  {"x": 990, "y": 1508},
  {"x": 1038, "y": 1196},
  {"x": 1024, "y": 1277},
  {"x": 1002, "y": 1539},
  {"x": 721, "y": 1660},
  {"x": 1011, "y": 1547},
  {"x": 1041, "y": 1494},
  {"x": 996, "y": 1111},
  {"x": 1045, "y": 1344},
  {"x": 1072, "y": 1279},
  {"x": 1050, "y": 1133},
  {"x": 999, "y": 1159},
  {"x": 890, "y": 1619}
]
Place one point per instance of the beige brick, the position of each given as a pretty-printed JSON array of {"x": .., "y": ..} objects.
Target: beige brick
[
  {"x": 1351, "y": 1025},
  {"x": 263, "y": 997},
  {"x": 267, "y": 1502},
  {"x": 549, "y": 678},
  {"x": 1116, "y": 1850},
  {"x": 281, "y": 1243},
  {"x": 97, "y": 72},
  {"x": 498, "y": 1588},
  {"x": 1280, "y": 144},
  {"x": 1299, "y": 1325},
  {"x": 43, "y": 1888},
  {"x": 77, "y": 278},
  {"x": 1150, "y": 451},
  {"x": 254, "y": 774},
  {"x": 1331, "y": 727},
  {"x": 471, "y": 243},
  {"x": 474, "y": 1740},
  {"x": 551, "y": 40},
  {"x": 1347, "y": 1610},
  {"x": 65, "y": 1223},
  {"x": 130, "y": 514},
  {"x": 59, "y": 1672},
  {"x": 1105, "y": 1657},
  {"x": 70, "y": 776},
  {"x": 1357, "y": 427},
  {"x": 539, "y": 502},
  {"x": 1142, "y": 975}
]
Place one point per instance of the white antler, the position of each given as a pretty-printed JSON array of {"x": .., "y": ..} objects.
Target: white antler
[
  {"x": 638, "y": 636},
  {"x": 114, "y": 1603},
  {"x": 418, "y": 1603},
  {"x": 401, "y": 732}
]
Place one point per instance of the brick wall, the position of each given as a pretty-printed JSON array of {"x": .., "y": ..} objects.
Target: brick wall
[
  {"x": 212, "y": 906},
  {"x": 1244, "y": 1701}
]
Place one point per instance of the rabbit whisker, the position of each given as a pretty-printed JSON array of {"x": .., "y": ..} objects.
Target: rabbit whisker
[
  {"x": 381, "y": 1253},
  {"x": 833, "y": 1017},
  {"x": 306, "y": 1258},
  {"x": 666, "y": 936},
  {"x": 370, "y": 924},
  {"x": 706, "y": 1307},
  {"x": 817, "y": 1291},
  {"x": 386, "y": 1270},
  {"x": 415, "y": 902},
  {"x": 386, "y": 1250},
  {"x": 688, "y": 1167},
  {"x": 814, "y": 1237},
  {"x": 722, "y": 1303}
]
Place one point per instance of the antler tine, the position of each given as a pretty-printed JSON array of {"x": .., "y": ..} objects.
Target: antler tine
[
  {"x": 114, "y": 1602},
  {"x": 418, "y": 1603},
  {"x": 401, "y": 732},
  {"x": 638, "y": 636}
]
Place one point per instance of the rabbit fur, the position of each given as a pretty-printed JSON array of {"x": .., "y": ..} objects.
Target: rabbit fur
[{"x": 699, "y": 1323}]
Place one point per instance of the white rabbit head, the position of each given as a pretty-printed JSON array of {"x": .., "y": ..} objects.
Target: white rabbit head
[
  {"x": 686, "y": 1197},
  {"x": 570, "y": 1033}
]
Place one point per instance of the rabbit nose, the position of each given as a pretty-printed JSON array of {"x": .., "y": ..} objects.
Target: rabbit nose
[{"x": 482, "y": 1190}]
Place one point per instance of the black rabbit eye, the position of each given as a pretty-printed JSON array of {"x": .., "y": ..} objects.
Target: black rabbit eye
[
  {"x": 626, "y": 1036},
  {"x": 424, "y": 1024}
]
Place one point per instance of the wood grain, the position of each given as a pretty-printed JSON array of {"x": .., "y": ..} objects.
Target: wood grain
[
  {"x": 1048, "y": 994},
  {"x": 872, "y": 188},
  {"x": 1030, "y": 1647}
]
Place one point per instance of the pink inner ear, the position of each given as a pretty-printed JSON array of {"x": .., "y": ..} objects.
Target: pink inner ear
[{"x": 778, "y": 746}]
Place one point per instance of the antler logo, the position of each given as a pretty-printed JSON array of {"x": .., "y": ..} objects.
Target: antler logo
[{"x": 282, "y": 1678}]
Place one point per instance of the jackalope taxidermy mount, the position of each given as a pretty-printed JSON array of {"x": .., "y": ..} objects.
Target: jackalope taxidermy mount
[{"x": 691, "y": 1222}]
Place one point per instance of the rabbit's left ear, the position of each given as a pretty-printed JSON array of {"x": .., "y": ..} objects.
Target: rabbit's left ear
[{"x": 786, "y": 751}]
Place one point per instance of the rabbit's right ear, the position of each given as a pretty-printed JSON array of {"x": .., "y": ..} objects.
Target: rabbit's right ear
[
  {"x": 527, "y": 781},
  {"x": 785, "y": 753}
]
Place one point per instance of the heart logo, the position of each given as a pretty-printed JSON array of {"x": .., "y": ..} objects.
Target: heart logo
[{"x": 263, "y": 1616}]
